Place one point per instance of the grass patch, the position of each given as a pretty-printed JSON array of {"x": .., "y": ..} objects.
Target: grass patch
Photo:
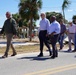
[
  {"x": 23, "y": 49},
  {"x": 27, "y": 49}
]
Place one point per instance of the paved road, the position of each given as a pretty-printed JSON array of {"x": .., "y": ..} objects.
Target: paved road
[{"x": 30, "y": 64}]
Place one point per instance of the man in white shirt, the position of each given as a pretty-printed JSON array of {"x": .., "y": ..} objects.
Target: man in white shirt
[
  {"x": 44, "y": 24},
  {"x": 71, "y": 34},
  {"x": 54, "y": 31},
  {"x": 75, "y": 40}
]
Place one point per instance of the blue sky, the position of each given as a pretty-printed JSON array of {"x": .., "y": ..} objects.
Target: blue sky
[{"x": 48, "y": 6}]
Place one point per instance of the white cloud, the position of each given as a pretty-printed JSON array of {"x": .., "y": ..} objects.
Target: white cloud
[{"x": 70, "y": 10}]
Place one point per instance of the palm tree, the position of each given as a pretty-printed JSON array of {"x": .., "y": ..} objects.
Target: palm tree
[
  {"x": 65, "y": 5},
  {"x": 58, "y": 15},
  {"x": 29, "y": 9},
  {"x": 74, "y": 19},
  {"x": 15, "y": 16}
]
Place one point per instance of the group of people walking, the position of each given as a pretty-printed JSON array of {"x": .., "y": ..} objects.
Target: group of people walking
[
  {"x": 49, "y": 30},
  {"x": 52, "y": 29},
  {"x": 56, "y": 32}
]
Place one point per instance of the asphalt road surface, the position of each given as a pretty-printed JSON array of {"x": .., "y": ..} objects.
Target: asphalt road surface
[{"x": 30, "y": 64}]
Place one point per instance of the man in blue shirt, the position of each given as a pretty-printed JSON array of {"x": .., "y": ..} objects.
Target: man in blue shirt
[
  {"x": 62, "y": 34},
  {"x": 54, "y": 31},
  {"x": 44, "y": 25}
]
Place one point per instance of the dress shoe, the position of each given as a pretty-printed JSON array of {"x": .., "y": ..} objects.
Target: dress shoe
[
  {"x": 52, "y": 57},
  {"x": 74, "y": 51},
  {"x": 56, "y": 56},
  {"x": 40, "y": 55},
  {"x": 14, "y": 54},
  {"x": 69, "y": 50},
  {"x": 4, "y": 56}
]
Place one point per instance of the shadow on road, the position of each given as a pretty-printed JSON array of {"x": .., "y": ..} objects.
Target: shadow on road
[
  {"x": 75, "y": 56},
  {"x": 65, "y": 51},
  {"x": 35, "y": 58},
  {"x": 1, "y": 58}
]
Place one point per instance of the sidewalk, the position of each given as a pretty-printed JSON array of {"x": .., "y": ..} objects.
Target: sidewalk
[{"x": 17, "y": 42}]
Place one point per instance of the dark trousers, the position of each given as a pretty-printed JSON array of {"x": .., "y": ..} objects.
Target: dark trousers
[
  {"x": 54, "y": 40},
  {"x": 43, "y": 39},
  {"x": 60, "y": 40}
]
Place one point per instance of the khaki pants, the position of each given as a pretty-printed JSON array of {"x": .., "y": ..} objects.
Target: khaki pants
[
  {"x": 9, "y": 39},
  {"x": 71, "y": 37}
]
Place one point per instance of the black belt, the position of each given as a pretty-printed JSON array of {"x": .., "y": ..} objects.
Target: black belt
[{"x": 43, "y": 30}]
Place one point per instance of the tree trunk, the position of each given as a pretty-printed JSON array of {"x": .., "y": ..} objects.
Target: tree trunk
[
  {"x": 30, "y": 30},
  {"x": 64, "y": 15}
]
